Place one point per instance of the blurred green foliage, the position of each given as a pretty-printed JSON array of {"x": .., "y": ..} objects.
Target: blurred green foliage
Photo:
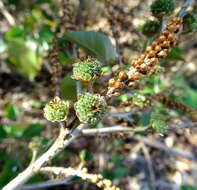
[{"x": 12, "y": 112}]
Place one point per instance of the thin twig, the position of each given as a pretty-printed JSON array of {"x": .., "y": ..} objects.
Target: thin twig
[
  {"x": 6, "y": 14},
  {"x": 123, "y": 115},
  {"x": 184, "y": 8},
  {"x": 113, "y": 129},
  {"x": 150, "y": 166},
  {"x": 160, "y": 146},
  {"x": 46, "y": 184},
  {"x": 119, "y": 128},
  {"x": 50, "y": 183}
]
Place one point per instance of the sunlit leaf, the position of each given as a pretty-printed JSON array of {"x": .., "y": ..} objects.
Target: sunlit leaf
[
  {"x": 95, "y": 42},
  {"x": 33, "y": 130},
  {"x": 9, "y": 171},
  {"x": 12, "y": 112},
  {"x": 68, "y": 88},
  {"x": 13, "y": 131},
  {"x": 25, "y": 58},
  {"x": 14, "y": 33}
]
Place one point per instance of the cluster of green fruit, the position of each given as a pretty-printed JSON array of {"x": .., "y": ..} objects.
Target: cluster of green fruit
[{"x": 90, "y": 108}]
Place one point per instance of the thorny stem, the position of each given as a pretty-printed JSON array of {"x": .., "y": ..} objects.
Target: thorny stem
[{"x": 6, "y": 14}]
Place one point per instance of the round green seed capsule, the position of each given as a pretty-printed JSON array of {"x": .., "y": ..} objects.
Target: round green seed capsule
[
  {"x": 160, "y": 8},
  {"x": 87, "y": 71},
  {"x": 56, "y": 110},
  {"x": 90, "y": 108},
  {"x": 189, "y": 22},
  {"x": 150, "y": 28}
]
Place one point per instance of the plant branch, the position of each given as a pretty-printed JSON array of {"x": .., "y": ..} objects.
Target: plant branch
[
  {"x": 65, "y": 138},
  {"x": 123, "y": 115},
  {"x": 6, "y": 14},
  {"x": 97, "y": 179},
  {"x": 184, "y": 8},
  {"x": 160, "y": 146},
  {"x": 46, "y": 184},
  {"x": 113, "y": 129}
]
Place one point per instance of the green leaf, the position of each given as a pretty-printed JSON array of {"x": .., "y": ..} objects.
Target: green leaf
[
  {"x": 68, "y": 88},
  {"x": 175, "y": 54},
  {"x": 33, "y": 130},
  {"x": 14, "y": 33},
  {"x": 86, "y": 156},
  {"x": 188, "y": 187},
  {"x": 24, "y": 57},
  {"x": 116, "y": 158},
  {"x": 119, "y": 172},
  {"x": 45, "y": 34},
  {"x": 37, "y": 178},
  {"x": 2, "y": 133},
  {"x": 13, "y": 131},
  {"x": 10, "y": 170},
  {"x": 95, "y": 42},
  {"x": 12, "y": 112}
]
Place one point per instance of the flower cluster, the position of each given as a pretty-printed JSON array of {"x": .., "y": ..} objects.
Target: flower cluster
[
  {"x": 67, "y": 17},
  {"x": 156, "y": 51}
]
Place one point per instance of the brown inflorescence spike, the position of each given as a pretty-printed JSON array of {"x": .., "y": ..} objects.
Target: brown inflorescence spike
[
  {"x": 173, "y": 104},
  {"x": 158, "y": 50},
  {"x": 56, "y": 67},
  {"x": 67, "y": 17}
]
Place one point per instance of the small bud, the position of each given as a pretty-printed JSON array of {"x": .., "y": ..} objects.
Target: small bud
[
  {"x": 160, "y": 8},
  {"x": 90, "y": 108},
  {"x": 56, "y": 110},
  {"x": 150, "y": 28},
  {"x": 87, "y": 71},
  {"x": 111, "y": 82},
  {"x": 135, "y": 76},
  {"x": 162, "y": 54},
  {"x": 122, "y": 75},
  {"x": 118, "y": 85}
]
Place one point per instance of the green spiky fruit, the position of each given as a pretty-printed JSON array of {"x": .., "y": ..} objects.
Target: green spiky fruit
[
  {"x": 90, "y": 108},
  {"x": 158, "y": 123},
  {"x": 87, "y": 71},
  {"x": 189, "y": 22},
  {"x": 160, "y": 8},
  {"x": 150, "y": 28},
  {"x": 56, "y": 110},
  {"x": 140, "y": 100}
]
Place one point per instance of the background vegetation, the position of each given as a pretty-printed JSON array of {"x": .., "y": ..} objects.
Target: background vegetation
[{"x": 165, "y": 158}]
